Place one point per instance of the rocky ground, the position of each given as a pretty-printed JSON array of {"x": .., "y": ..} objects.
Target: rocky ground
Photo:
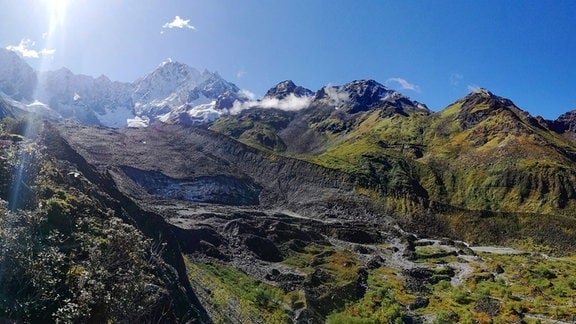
[{"x": 298, "y": 233}]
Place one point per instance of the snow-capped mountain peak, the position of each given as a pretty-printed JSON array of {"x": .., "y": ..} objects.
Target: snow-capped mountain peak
[
  {"x": 174, "y": 93},
  {"x": 174, "y": 88},
  {"x": 161, "y": 82},
  {"x": 171, "y": 88}
]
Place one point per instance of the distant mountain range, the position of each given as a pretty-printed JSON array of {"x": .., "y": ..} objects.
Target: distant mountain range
[
  {"x": 177, "y": 93},
  {"x": 198, "y": 203},
  {"x": 171, "y": 88},
  {"x": 479, "y": 153}
]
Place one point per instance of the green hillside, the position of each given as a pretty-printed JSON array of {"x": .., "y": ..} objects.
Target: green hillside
[{"x": 481, "y": 155}]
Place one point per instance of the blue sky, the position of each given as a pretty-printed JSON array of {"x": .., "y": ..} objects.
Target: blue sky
[{"x": 432, "y": 51}]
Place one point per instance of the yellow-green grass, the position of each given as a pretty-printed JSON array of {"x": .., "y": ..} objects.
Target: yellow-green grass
[{"x": 236, "y": 296}]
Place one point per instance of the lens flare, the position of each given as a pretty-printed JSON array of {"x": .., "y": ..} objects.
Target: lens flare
[{"x": 57, "y": 10}]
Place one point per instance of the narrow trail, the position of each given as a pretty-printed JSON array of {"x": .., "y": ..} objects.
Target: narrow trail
[{"x": 497, "y": 250}]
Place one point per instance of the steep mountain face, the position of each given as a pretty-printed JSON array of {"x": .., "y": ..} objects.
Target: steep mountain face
[
  {"x": 177, "y": 86},
  {"x": 364, "y": 95},
  {"x": 200, "y": 101},
  {"x": 91, "y": 101},
  {"x": 17, "y": 79},
  {"x": 5, "y": 109},
  {"x": 286, "y": 88},
  {"x": 500, "y": 153},
  {"x": 565, "y": 122}
]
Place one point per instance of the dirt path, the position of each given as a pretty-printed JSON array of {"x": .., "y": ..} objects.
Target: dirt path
[{"x": 497, "y": 250}]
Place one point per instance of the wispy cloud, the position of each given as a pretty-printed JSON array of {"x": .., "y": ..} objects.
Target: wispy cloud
[
  {"x": 455, "y": 79},
  {"x": 241, "y": 73},
  {"x": 250, "y": 95},
  {"x": 289, "y": 103},
  {"x": 26, "y": 49},
  {"x": 474, "y": 88},
  {"x": 178, "y": 23},
  {"x": 404, "y": 84},
  {"x": 336, "y": 97}
]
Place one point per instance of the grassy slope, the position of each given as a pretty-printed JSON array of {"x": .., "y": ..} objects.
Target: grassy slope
[
  {"x": 497, "y": 289},
  {"x": 506, "y": 162},
  {"x": 529, "y": 287}
]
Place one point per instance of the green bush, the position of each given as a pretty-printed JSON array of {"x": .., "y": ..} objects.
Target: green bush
[
  {"x": 460, "y": 295},
  {"x": 104, "y": 272}
]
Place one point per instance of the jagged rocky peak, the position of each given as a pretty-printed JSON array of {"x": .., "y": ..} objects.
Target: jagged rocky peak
[
  {"x": 63, "y": 85},
  {"x": 364, "y": 95},
  {"x": 174, "y": 90},
  {"x": 215, "y": 86},
  {"x": 565, "y": 122},
  {"x": 484, "y": 97},
  {"x": 185, "y": 81},
  {"x": 481, "y": 104},
  {"x": 170, "y": 69},
  {"x": 161, "y": 82},
  {"x": 286, "y": 88},
  {"x": 367, "y": 90}
]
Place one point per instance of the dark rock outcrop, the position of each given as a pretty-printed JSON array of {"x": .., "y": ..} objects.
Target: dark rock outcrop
[
  {"x": 565, "y": 122},
  {"x": 286, "y": 88}
]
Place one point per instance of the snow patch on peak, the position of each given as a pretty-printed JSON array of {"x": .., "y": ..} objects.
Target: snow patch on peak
[
  {"x": 192, "y": 115},
  {"x": 138, "y": 122}
]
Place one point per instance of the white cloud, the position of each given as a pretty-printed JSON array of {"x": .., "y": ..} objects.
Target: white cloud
[
  {"x": 179, "y": 23},
  {"x": 474, "y": 88},
  {"x": 167, "y": 61},
  {"x": 47, "y": 52},
  {"x": 250, "y": 95},
  {"x": 25, "y": 49},
  {"x": 336, "y": 97},
  {"x": 404, "y": 84},
  {"x": 289, "y": 103},
  {"x": 241, "y": 73},
  {"x": 455, "y": 79}
]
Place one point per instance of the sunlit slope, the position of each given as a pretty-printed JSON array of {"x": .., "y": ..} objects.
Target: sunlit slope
[
  {"x": 480, "y": 153},
  {"x": 487, "y": 154}
]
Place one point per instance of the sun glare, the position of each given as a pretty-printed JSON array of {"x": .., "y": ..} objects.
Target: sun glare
[{"x": 57, "y": 10}]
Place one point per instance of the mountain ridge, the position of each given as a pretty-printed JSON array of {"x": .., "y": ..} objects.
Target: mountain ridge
[
  {"x": 350, "y": 203},
  {"x": 480, "y": 147},
  {"x": 395, "y": 146},
  {"x": 139, "y": 104},
  {"x": 171, "y": 87}
]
